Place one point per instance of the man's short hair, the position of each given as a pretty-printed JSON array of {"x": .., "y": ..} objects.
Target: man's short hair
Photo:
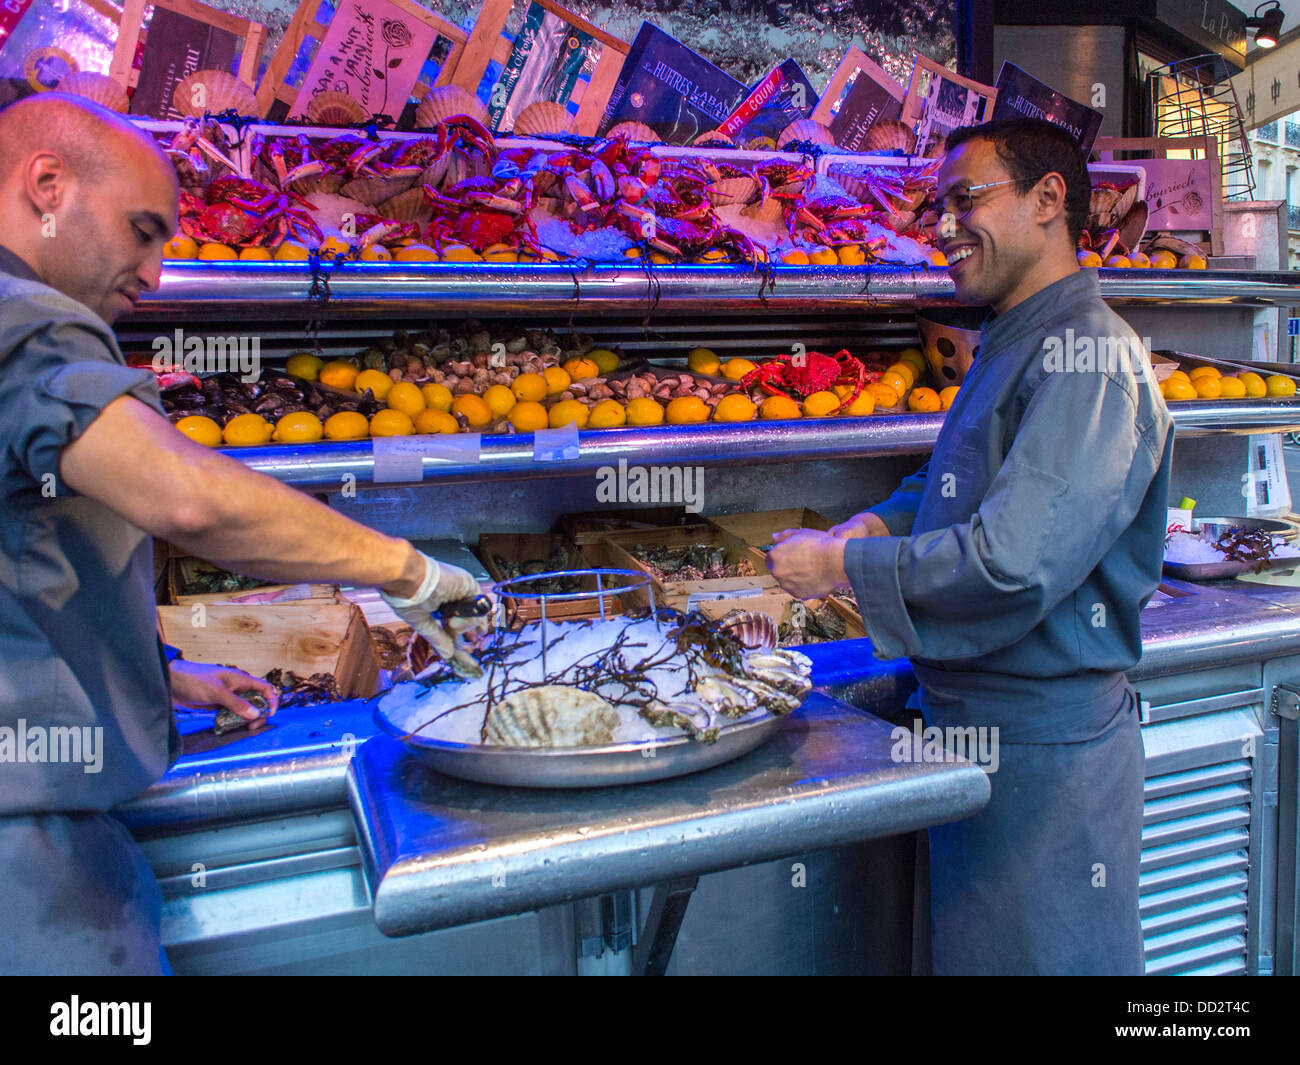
[{"x": 1029, "y": 148}]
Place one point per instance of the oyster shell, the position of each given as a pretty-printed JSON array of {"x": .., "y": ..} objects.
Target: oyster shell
[
  {"x": 551, "y": 715},
  {"x": 446, "y": 102},
  {"x": 100, "y": 88},
  {"x": 212, "y": 91}
]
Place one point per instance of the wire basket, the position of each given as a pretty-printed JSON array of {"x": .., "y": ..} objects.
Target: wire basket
[{"x": 1195, "y": 98}]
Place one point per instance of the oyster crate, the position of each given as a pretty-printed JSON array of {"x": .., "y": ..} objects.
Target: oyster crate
[
  {"x": 182, "y": 573},
  {"x": 620, "y": 550},
  {"x": 312, "y": 636},
  {"x": 756, "y": 527},
  {"x": 780, "y": 607},
  {"x": 538, "y": 549},
  {"x": 583, "y": 529}
]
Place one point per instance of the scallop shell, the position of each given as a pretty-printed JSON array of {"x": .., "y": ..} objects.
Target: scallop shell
[
  {"x": 542, "y": 117},
  {"x": 805, "y": 129},
  {"x": 335, "y": 109},
  {"x": 887, "y": 134},
  {"x": 447, "y": 102},
  {"x": 769, "y": 210},
  {"x": 755, "y": 631},
  {"x": 375, "y": 190},
  {"x": 760, "y": 144},
  {"x": 715, "y": 138},
  {"x": 733, "y": 190},
  {"x": 551, "y": 715},
  {"x": 221, "y": 92},
  {"x": 408, "y": 206},
  {"x": 634, "y": 131},
  {"x": 99, "y": 88}
]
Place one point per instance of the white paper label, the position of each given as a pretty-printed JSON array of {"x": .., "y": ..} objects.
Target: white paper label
[
  {"x": 556, "y": 445},
  {"x": 1178, "y": 519},
  {"x": 1267, "y": 491},
  {"x": 735, "y": 593},
  {"x": 400, "y": 459}
]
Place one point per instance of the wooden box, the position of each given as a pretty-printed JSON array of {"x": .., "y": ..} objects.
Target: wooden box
[
  {"x": 756, "y": 527},
  {"x": 541, "y": 547},
  {"x": 620, "y": 550},
  {"x": 780, "y": 607},
  {"x": 591, "y": 528},
  {"x": 313, "y": 636},
  {"x": 182, "y": 571}
]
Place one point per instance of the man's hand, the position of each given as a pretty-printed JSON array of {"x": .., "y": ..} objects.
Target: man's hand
[
  {"x": 807, "y": 564},
  {"x": 204, "y": 687},
  {"x": 442, "y": 584},
  {"x": 864, "y": 524}
]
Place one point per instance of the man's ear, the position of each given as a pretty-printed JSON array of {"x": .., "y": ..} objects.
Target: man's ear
[{"x": 1049, "y": 198}]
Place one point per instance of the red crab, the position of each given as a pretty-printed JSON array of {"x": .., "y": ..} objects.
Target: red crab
[{"x": 811, "y": 372}]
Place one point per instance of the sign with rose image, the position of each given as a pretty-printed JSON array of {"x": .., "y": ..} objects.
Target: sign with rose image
[{"x": 373, "y": 51}]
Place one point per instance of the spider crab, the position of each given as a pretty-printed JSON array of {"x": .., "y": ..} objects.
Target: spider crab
[
  {"x": 242, "y": 211},
  {"x": 811, "y": 372}
]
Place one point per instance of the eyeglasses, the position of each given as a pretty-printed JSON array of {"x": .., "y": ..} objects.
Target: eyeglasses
[{"x": 959, "y": 203}]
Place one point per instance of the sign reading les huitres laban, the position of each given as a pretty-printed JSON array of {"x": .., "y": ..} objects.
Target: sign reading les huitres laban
[
  {"x": 1021, "y": 95},
  {"x": 373, "y": 51}
]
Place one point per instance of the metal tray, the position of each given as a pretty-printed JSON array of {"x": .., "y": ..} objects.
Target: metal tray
[
  {"x": 1209, "y": 571},
  {"x": 585, "y": 767}
]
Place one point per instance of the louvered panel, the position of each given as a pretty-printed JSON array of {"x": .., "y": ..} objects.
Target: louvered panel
[
  {"x": 1230, "y": 951},
  {"x": 1226, "y": 967},
  {"x": 1193, "y": 779},
  {"x": 1192, "y": 893},
  {"x": 1202, "y": 800},
  {"x": 1163, "y": 924},
  {"x": 1164, "y": 878},
  {"x": 1196, "y": 827},
  {"x": 1187, "y": 850}
]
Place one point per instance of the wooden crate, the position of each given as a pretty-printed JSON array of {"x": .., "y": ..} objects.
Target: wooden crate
[
  {"x": 619, "y": 550},
  {"x": 591, "y": 528},
  {"x": 306, "y": 637},
  {"x": 520, "y": 547},
  {"x": 181, "y": 573},
  {"x": 780, "y": 607},
  {"x": 756, "y": 527}
]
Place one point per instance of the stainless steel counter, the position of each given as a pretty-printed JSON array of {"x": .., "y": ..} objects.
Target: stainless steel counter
[{"x": 440, "y": 852}]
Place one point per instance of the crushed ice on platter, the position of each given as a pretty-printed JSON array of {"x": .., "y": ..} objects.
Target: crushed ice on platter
[
  {"x": 1189, "y": 549},
  {"x": 658, "y": 685}
]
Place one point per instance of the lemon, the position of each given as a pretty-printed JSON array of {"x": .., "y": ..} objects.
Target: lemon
[
  {"x": 300, "y": 428},
  {"x": 1173, "y": 389},
  {"x": 906, "y": 371},
  {"x": 823, "y": 256},
  {"x": 606, "y": 361},
  {"x": 1255, "y": 387},
  {"x": 433, "y": 422},
  {"x": 376, "y": 253},
  {"x": 436, "y": 396},
  {"x": 1208, "y": 387},
  {"x": 734, "y": 408},
  {"x": 631, "y": 253},
  {"x": 568, "y": 411},
  {"x": 213, "y": 252},
  {"x": 305, "y": 365},
  {"x": 702, "y": 360},
  {"x": 687, "y": 410},
  {"x": 1164, "y": 260},
  {"x": 292, "y": 251},
  {"x": 713, "y": 255},
  {"x": 201, "y": 430},
  {"x": 882, "y": 394},
  {"x": 245, "y": 429},
  {"x": 1193, "y": 262},
  {"x": 607, "y": 414},
  {"x": 406, "y": 397},
  {"x": 499, "y": 400},
  {"x": 473, "y": 409},
  {"x": 338, "y": 374},
  {"x": 500, "y": 253},
  {"x": 415, "y": 253},
  {"x": 1140, "y": 260},
  {"x": 645, "y": 411},
  {"x": 391, "y": 423},
  {"x": 376, "y": 381},
  {"x": 1180, "y": 375},
  {"x": 460, "y": 253},
  {"x": 346, "y": 425},
  {"x": 938, "y": 259},
  {"x": 779, "y": 407},
  {"x": 530, "y": 387},
  {"x": 528, "y": 416},
  {"x": 820, "y": 404},
  {"x": 923, "y": 400},
  {"x": 580, "y": 369},
  {"x": 896, "y": 381},
  {"x": 795, "y": 257},
  {"x": 947, "y": 396},
  {"x": 1232, "y": 387},
  {"x": 850, "y": 255},
  {"x": 557, "y": 380},
  {"x": 1202, "y": 371},
  {"x": 915, "y": 358},
  {"x": 255, "y": 253},
  {"x": 1121, "y": 262},
  {"x": 181, "y": 247},
  {"x": 1089, "y": 260},
  {"x": 737, "y": 368},
  {"x": 1278, "y": 385}
]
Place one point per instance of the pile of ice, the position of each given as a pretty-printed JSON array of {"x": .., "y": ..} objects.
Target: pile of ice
[{"x": 1195, "y": 549}]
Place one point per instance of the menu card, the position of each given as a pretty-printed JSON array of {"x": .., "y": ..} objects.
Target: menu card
[{"x": 1021, "y": 95}]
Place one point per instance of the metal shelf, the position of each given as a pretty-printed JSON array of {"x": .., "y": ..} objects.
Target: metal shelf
[
  {"x": 329, "y": 466},
  {"x": 247, "y": 290}
]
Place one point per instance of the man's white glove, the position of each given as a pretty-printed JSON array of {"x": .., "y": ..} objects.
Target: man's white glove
[{"x": 443, "y": 584}]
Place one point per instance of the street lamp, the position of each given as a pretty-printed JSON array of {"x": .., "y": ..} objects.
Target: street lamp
[{"x": 1266, "y": 26}]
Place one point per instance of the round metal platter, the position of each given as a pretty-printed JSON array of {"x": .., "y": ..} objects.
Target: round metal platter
[{"x": 585, "y": 767}]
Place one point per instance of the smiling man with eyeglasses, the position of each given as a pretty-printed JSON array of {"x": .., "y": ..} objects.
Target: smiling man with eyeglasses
[{"x": 1012, "y": 569}]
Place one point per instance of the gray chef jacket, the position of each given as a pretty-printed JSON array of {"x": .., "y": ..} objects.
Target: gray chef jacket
[
  {"x": 1020, "y": 558},
  {"x": 85, "y": 710}
]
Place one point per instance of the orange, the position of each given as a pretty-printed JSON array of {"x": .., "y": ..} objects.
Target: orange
[
  {"x": 1208, "y": 387},
  {"x": 436, "y": 396},
  {"x": 713, "y": 255},
  {"x": 530, "y": 387},
  {"x": 305, "y": 365},
  {"x": 737, "y": 368},
  {"x": 687, "y": 410},
  {"x": 433, "y": 422},
  {"x": 820, "y": 404},
  {"x": 659, "y": 258},
  {"x": 882, "y": 394},
  {"x": 528, "y": 416},
  {"x": 1163, "y": 260},
  {"x": 301, "y": 428},
  {"x": 779, "y": 407},
  {"x": 338, "y": 374},
  {"x": 734, "y": 408},
  {"x": 1140, "y": 260},
  {"x": 645, "y": 411},
  {"x": 1180, "y": 375},
  {"x": 567, "y": 411},
  {"x": 376, "y": 381},
  {"x": 1232, "y": 387},
  {"x": 915, "y": 358},
  {"x": 201, "y": 430},
  {"x": 181, "y": 247},
  {"x": 1279, "y": 386},
  {"x": 606, "y": 361},
  {"x": 474, "y": 409},
  {"x": 1119, "y": 262},
  {"x": 947, "y": 396},
  {"x": 334, "y": 248},
  {"x": 346, "y": 425},
  {"x": 376, "y": 253},
  {"x": 702, "y": 360},
  {"x": 406, "y": 397},
  {"x": 1089, "y": 260},
  {"x": 860, "y": 407},
  {"x": 850, "y": 255},
  {"x": 391, "y": 423},
  {"x": 939, "y": 259},
  {"x": 500, "y": 253},
  {"x": 1174, "y": 389},
  {"x": 1202, "y": 371},
  {"x": 896, "y": 381},
  {"x": 415, "y": 253},
  {"x": 499, "y": 400},
  {"x": 795, "y": 257},
  {"x": 217, "y": 251},
  {"x": 580, "y": 369},
  {"x": 292, "y": 251},
  {"x": 1255, "y": 387},
  {"x": 923, "y": 400},
  {"x": 822, "y": 256},
  {"x": 557, "y": 380},
  {"x": 245, "y": 429},
  {"x": 255, "y": 253},
  {"x": 607, "y": 414}
]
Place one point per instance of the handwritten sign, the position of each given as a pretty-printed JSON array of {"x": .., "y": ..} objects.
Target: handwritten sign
[
  {"x": 373, "y": 51},
  {"x": 1178, "y": 193}
]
